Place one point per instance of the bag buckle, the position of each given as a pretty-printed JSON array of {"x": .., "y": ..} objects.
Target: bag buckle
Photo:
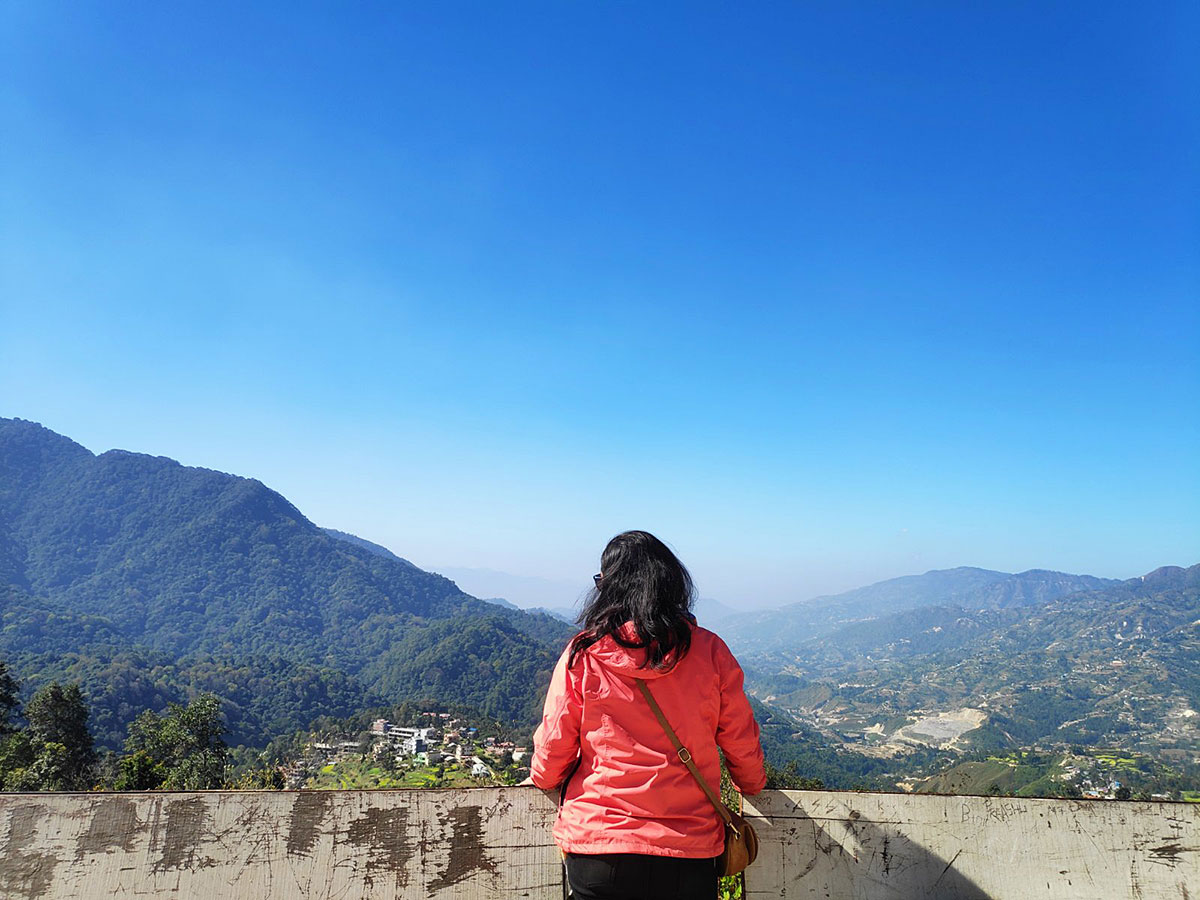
[{"x": 684, "y": 755}]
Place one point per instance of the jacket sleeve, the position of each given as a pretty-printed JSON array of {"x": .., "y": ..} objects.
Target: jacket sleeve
[
  {"x": 556, "y": 740},
  {"x": 737, "y": 731}
]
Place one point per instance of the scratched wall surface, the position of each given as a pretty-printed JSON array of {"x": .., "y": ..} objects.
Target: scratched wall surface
[
  {"x": 495, "y": 842},
  {"x": 341, "y": 845},
  {"x": 893, "y": 846}
]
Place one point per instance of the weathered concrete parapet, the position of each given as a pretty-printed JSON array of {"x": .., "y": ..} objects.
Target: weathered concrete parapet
[
  {"x": 898, "y": 847},
  {"x": 495, "y": 842},
  {"x": 382, "y": 845}
]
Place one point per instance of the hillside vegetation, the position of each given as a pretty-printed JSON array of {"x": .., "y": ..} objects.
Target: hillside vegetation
[
  {"x": 150, "y": 581},
  {"x": 1117, "y": 665}
]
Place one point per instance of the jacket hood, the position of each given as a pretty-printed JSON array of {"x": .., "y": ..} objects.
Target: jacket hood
[{"x": 625, "y": 661}]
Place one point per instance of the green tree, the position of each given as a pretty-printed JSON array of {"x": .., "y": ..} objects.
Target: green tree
[
  {"x": 139, "y": 771},
  {"x": 184, "y": 750},
  {"x": 17, "y": 754},
  {"x": 51, "y": 769},
  {"x": 55, "y": 752},
  {"x": 789, "y": 778},
  {"x": 58, "y": 725},
  {"x": 10, "y": 705}
]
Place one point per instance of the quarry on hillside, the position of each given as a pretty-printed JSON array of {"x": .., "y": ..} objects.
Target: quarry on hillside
[{"x": 940, "y": 729}]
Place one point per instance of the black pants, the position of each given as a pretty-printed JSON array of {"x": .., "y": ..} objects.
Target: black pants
[{"x": 632, "y": 876}]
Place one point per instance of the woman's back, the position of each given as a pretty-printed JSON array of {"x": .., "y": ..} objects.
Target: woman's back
[
  {"x": 631, "y": 793},
  {"x": 634, "y": 822}
]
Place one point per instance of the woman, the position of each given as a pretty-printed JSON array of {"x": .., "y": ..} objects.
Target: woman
[{"x": 633, "y": 821}]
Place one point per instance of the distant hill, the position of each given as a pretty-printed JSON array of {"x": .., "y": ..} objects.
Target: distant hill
[
  {"x": 377, "y": 549},
  {"x": 776, "y": 633},
  {"x": 1114, "y": 666},
  {"x": 1062, "y": 774},
  {"x": 526, "y": 591},
  {"x": 712, "y": 613},
  {"x": 561, "y": 614},
  {"x": 500, "y": 601},
  {"x": 170, "y": 571}
]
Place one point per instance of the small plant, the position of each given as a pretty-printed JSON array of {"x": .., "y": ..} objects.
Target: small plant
[{"x": 731, "y": 887}]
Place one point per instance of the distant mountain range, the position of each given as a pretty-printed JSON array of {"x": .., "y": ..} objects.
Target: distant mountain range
[
  {"x": 781, "y": 630},
  {"x": 149, "y": 581},
  {"x": 969, "y": 658},
  {"x": 522, "y": 591}
]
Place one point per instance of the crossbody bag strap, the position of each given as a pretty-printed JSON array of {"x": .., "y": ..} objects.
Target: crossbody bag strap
[{"x": 684, "y": 756}]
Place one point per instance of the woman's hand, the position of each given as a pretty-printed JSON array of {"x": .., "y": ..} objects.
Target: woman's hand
[{"x": 551, "y": 793}]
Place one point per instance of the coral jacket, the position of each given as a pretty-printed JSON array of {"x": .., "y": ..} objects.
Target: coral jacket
[{"x": 631, "y": 793}]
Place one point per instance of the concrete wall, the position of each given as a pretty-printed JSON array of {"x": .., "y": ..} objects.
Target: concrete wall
[
  {"x": 495, "y": 842},
  {"x": 892, "y": 846}
]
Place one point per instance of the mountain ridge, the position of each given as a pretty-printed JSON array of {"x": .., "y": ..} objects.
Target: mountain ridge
[
  {"x": 773, "y": 631},
  {"x": 204, "y": 565}
]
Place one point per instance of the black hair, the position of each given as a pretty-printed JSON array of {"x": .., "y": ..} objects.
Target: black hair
[{"x": 645, "y": 583}]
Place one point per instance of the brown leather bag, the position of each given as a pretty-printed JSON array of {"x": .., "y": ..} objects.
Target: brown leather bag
[{"x": 741, "y": 843}]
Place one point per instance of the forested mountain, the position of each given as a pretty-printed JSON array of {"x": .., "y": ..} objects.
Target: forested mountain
[
  {"x": 776, "y": 633},
  {"x": 1117, "y": 665},
  {"x": 150, "y": 580}
]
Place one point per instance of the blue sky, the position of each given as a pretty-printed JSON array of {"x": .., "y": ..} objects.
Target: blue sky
[{"x": 820, "y": 293}]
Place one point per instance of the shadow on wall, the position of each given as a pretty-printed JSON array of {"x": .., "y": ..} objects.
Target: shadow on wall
[{"x": 887, "y": 865}]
